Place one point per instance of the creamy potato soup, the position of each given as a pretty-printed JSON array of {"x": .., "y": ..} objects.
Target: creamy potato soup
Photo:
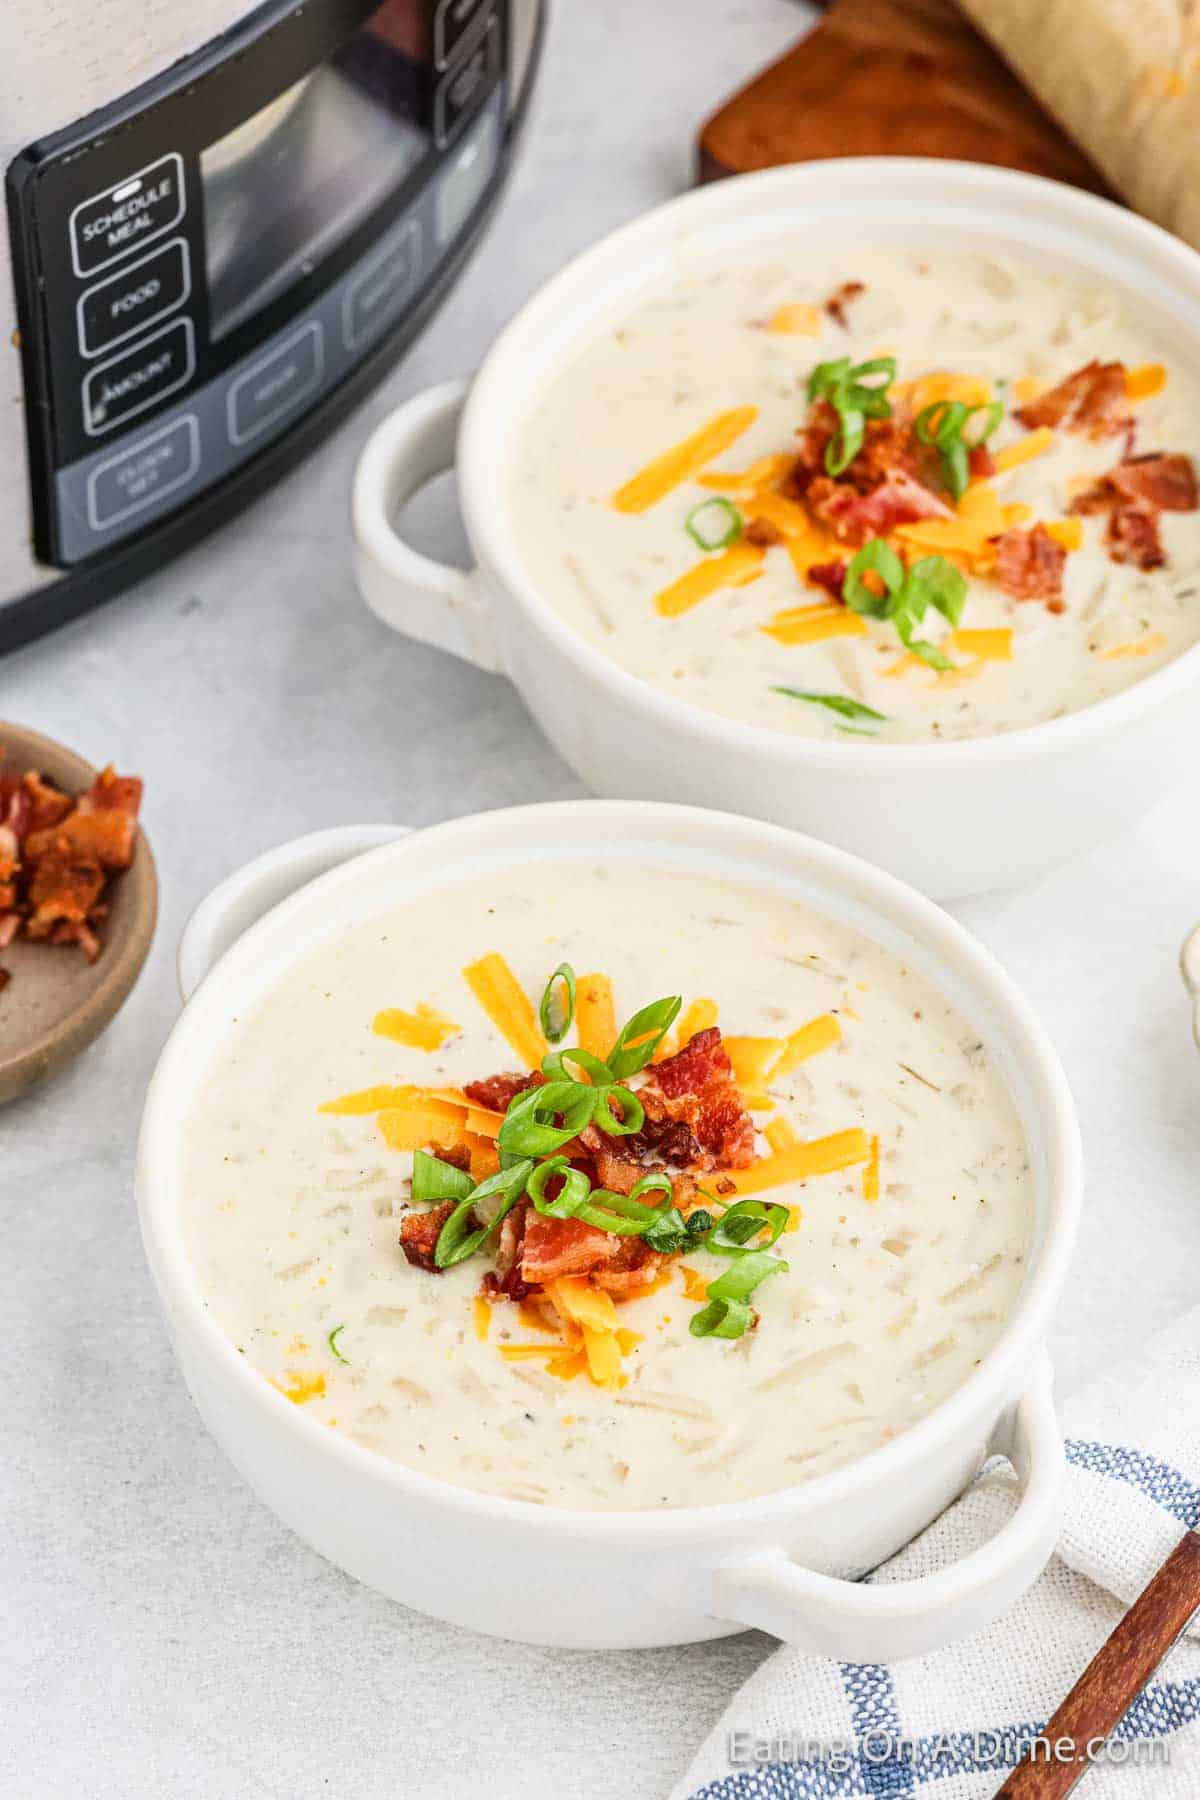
[
  {"x": 841, "y": 1190},
  {"x": 690, "y": 498}
]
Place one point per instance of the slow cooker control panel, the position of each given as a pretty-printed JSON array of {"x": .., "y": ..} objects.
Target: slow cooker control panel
[{"x": 195, "y": 276}]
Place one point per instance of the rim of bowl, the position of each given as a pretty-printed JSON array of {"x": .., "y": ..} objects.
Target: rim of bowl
[
  {"x": 1122, "y": 231},
  {"x": 843, "y": 878}
]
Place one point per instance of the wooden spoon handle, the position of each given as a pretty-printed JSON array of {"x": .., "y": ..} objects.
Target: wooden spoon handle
[{"x": 1115, "y": 1677}]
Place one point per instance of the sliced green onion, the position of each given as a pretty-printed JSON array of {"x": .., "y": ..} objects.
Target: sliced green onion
[
  {"x": 555, "y": 1065},
  {"x": 640, "y": 1037},
  {"x": 433, "y": 1179},
  {"x": 875, "y": 558},
  {"x": 622, "y": 1213},
  {"x": 733, "y": 1231},
  {"x": 838, "y": 703},
  {"x": 554, "y": 1015},
  {"x": 571, "y": 1196},
  {"x": 727, "y": 1313},
  {"x": 632, "y": 1116},
  {"x": 856, "y": 397},
  {"x": 909, "y": 593},
  {"x": 944, "y": 424},
  {"x": 529, "y": 1127},
  {"x": 714, "y": 523},
  {"x": 332, "y": 1339},
  {"x": 456, "y": 1240}
]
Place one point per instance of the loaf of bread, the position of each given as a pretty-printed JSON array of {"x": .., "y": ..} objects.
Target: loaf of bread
[{"x": 1123, "y": 77}]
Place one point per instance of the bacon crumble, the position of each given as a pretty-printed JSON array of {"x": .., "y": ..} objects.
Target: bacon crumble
[
  {"x": 1092, "y": 402},
  {"x": 1030, "y": 566}
]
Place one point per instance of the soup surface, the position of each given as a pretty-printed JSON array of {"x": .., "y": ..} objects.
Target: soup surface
[
  {"x": 902, "y": 1252},
  {"x": 1073, "y": 522}
]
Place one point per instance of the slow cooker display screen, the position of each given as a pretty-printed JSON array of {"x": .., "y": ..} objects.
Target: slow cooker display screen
[{"x": 285, "y": 186}]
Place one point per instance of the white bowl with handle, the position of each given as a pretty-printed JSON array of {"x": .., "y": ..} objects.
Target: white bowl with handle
[
  {"x": 785, "y": 1561},
  {"x": 952, "y": 818}
]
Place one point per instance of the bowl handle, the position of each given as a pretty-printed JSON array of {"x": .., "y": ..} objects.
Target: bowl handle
[
  {"x": 428, "y": 600},
  {"x": 1189, "y": 963},
  {"x": 863, "y": 1622},
  {"x": 243, "y": 897}
]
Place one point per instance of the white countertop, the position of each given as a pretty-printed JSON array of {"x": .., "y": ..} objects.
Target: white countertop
[{"x": 164, "y": 1636}]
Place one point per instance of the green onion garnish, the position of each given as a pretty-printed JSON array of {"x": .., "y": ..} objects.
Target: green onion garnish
[
  {"x": 456, "y": 1240},
  {"x": 555, "y": 1066},
  {"x": 714, "y": 524},
  {"x": 728, "y": 1314},
  {"x": 529, "y": 1127},
  {"x": 571, "y": 1196},
  {"x": 837, "y": 703},
  {"x": 640, "y": 1037},
  {"x": 632, "y": 1115},
  {"x": 332, "y": 1339},
  {"x": 623, "y": 1213},
  {"x": 554, "y": 1013},
  {"x": 907, "y": 595},
  {"x": 739, "y": 1224},
  {"x": 856, "y": 397},
  {"x": 673, "y": 1232},
  {"x": 433, "y": 1179},
  {"x": 945, "y": 424}
]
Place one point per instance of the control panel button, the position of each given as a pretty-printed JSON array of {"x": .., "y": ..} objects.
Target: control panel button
[
  {"x": 463, "y": 179},
  {"x": 452, "y": 22},
  {"x": 463, "y": 88},
  {"x": 276, "y": 384},
  {"x": 139, "y": 377},
  {"x": 144, "y": 474},
  {"x": 384, "y": 284},
  {"x": 143, "y": 291},
  {"x": 141, "y": 207}
]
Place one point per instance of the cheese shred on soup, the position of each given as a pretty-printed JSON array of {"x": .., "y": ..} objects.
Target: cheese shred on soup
[
  {"x": 734, "y": 1242},
  {"x": 901, "y": 495}
]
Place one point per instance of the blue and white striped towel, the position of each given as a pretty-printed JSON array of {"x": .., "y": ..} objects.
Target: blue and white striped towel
[{"x": 947, "y": 1726}]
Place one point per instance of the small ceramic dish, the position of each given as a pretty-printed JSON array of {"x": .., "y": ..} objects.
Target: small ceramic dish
[{"x": 57, "y": 1003}]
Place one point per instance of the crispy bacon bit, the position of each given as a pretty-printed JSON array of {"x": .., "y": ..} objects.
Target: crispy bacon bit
[
  {"x": 899, "y": 499},
  {"x": 980, "y": 462},
  {"x": 762, "y": 533},
  {"x": 555, "y": 1247},
  {"x": 56, "y": 854},
  {"x": 634, "y": 1265},
  {"x": 5, "y": 978},
  {"x": 1091, "y": 401},
  {"x": 102, "y": 827},
  {"x": 840, "y": 298},
  {"x": 63, "y": 891},
  {"x": 831, "y": 576},
  {"x": 457, "y": 1155},
  {"x": 497, "y": 1092},
  {"x": 1030, "y": 564},
  {"x": 1132, "y": 537},
  {"x": 419, "y": 1233},
  {"x": 1159, "y": 481},
  {"x": 696, "y": 1086}
]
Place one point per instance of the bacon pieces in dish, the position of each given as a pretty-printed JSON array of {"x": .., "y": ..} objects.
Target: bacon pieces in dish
[{"x": 58, "y": 854}]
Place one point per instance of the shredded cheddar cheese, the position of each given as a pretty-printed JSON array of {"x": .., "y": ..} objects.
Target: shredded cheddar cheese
[
  {"x": 781, "y": 1135},
  {"x": 424, "y": 1029},
  {"x": 943, "y": 384},
  {"x": 821, "y": 1033},
  {"x": 370, "y": 1100},
  {"x": 595, "y": 1017},
  {"x": 508, "y": 1006},
  {"x": 481, "y": 1312},
  {"x": 652, "y": 483},
  {"x": 1144, "y": 381},
  {"x": 698, "y": 1015},
  {"x": 871, "y": 1172},
  {"x": 796, "y": 319},
  {"x": 732, "y": 568},
  {"x": 1035, "y": 443},
  {"x": 300, "y": 1388},
  {"x": 740, "y": 484},
  {"x": 812, "y": 624},
  {"x": 752, "y": 1057},
  {"x": 1144, "y": 646},
  {"x": 1067, "y": 532},
  {"x": 818, "y": 1156}
]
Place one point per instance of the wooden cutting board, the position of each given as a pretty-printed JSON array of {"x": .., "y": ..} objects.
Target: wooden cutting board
[{"x": 890, "y": 78}]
